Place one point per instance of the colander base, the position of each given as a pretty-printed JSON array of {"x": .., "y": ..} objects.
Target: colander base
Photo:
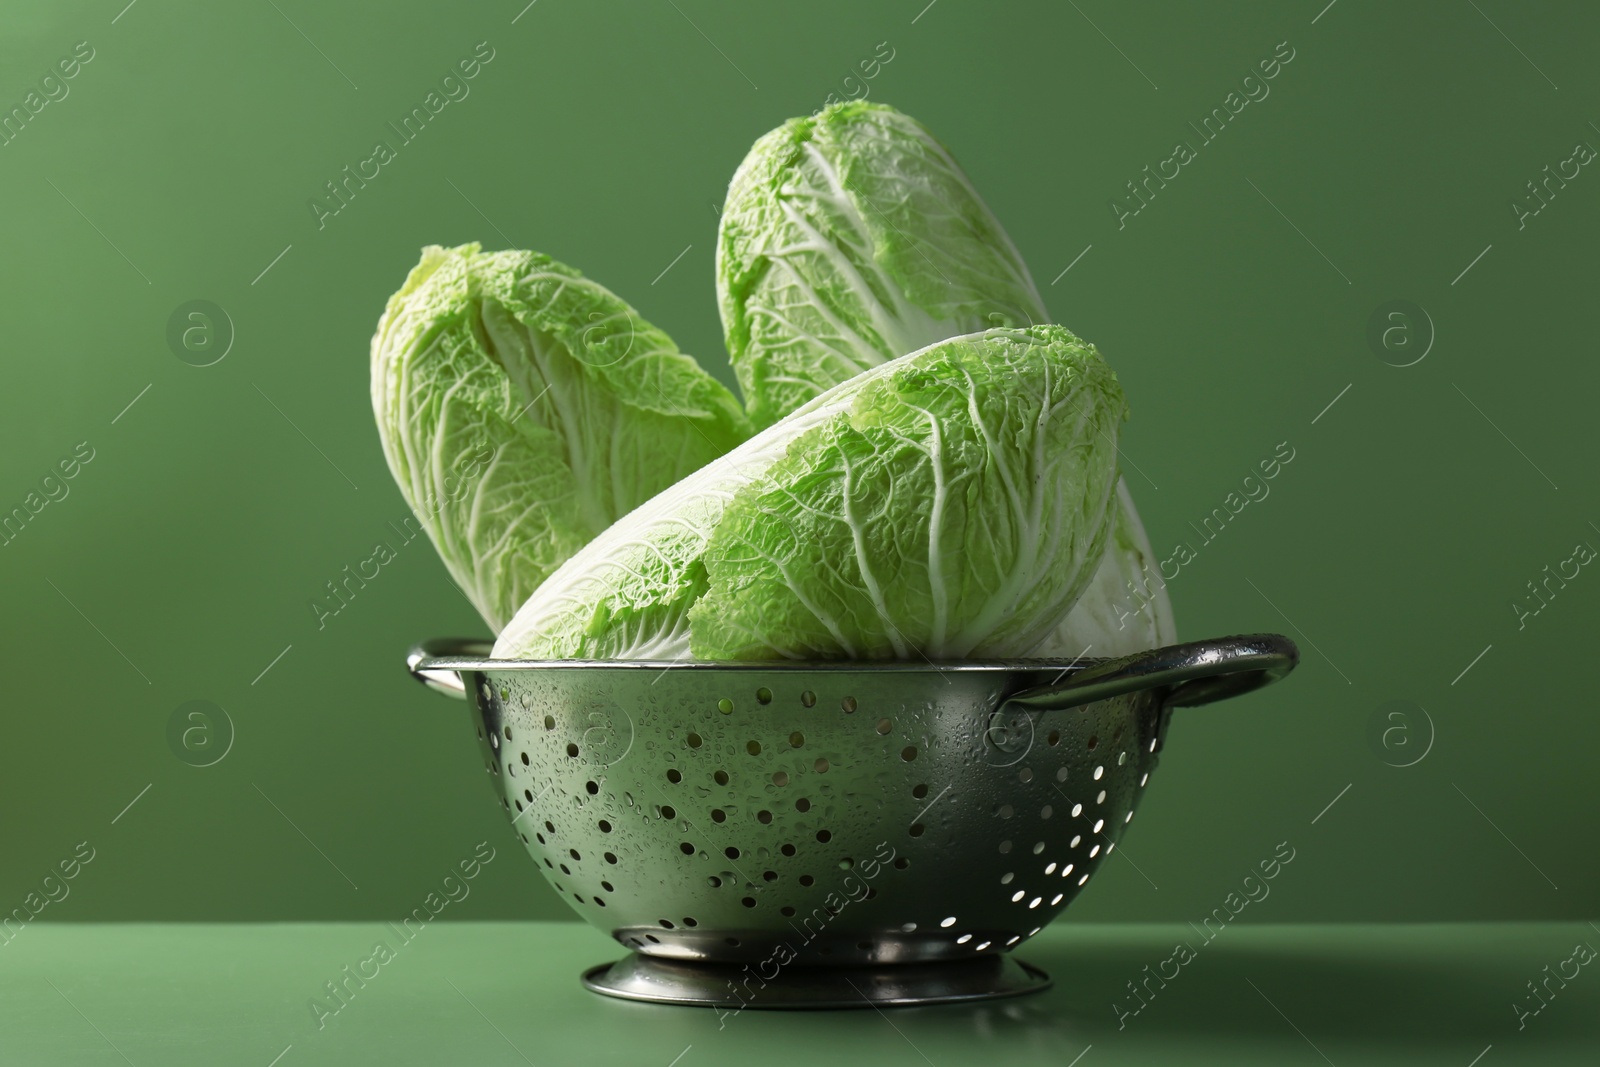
[{"x": 662, "y": 981}]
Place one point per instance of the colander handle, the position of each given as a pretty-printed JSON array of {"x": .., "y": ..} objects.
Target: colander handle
[
  {"x": 1194, "y": 673},
  {"x": 445, "y": 679}
]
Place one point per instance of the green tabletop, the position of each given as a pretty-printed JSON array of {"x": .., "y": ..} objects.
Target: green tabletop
[{"x": 508, "y": 993}]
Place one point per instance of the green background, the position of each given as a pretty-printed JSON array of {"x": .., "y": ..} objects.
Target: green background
[{"x": 217, "y": 506}]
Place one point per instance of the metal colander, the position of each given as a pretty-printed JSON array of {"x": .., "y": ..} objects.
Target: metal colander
[{"x": 831, "y": 834}]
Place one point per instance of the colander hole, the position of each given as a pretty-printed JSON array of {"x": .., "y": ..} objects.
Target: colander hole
[
  {"x": 821, "y": 766},
  {"x": 1109, "y": 847},
  {"x": 808, "y": 699},
  {"x": 720, "y": 777},
  {"x": 611, "y": 857},
  {"x": 539, "y": 836},
  {"x": 731, "y": 852},
  {"x": 1035, "y": 902},
  {"x": 480, "y": 733},
  {"x": 686, "y": 847},
  {"x": 608, "y": 887},
  {"x": 919, "y": 790},
  {"x": 807, "y": 880},
  {"x": 781, "y": 778},
  {"x": 549, "y": 827},
  {"x": 652, "y": 938},
  {"x": 668, "y": 811},
  {"x": 666, "y": 924},
  {"x": 1006, "y": 811},
  {"x": 1099, "y": 824},
  {"x": 1098, "y": 773},
  {"x": 1046, "y": 811},
  {"x": 787, "y": 910},
  {"x": 547, "y": 863},
  {"x": 1015, "y": 938},
  {"x": 908, "y": 928},
  {"x": 824, "y": 836},
  {"x": 690, "y": 921},
  {"x": 565, "y": 869},
  {"x": 763, "y": 816},
  {"x": 574, "y": 853},
  {"x": 981, "y": 946},
  {"x": 748, "y": 902},
  {"x": 525, "y": 761},
  {"x": 1025, "y": 775},
  {"x": 600, "y": 902},
  {"x": 802, "y": 804},
  {"x": 849, "y": 705},
  {"x": 505, "y": 694},
  {"x": 1061, "y": 774},
  {"x": 1076, "y": 838},
  {"x": 725, "y": 706},
  {"x": 507, "y": 732},
  {"x": 872, "y": 892},
  {"x": 1153, "y": 744},
  {"x": 674, "y": 775},
  {"x": 1056, "y": 899},
  {"x": 1093, "y": 852},
  {"x": 797, "y": 739},
  {"x": 1077, "y": 810},
  {"x": 770, "y": 876},
  {"x": 884, "y": 726},
  {"x": 549, "y": 722},
  {"x": 948, "y": 921},
  {"x": 1066, "y": 870},
  {"x": 524, "y": 838},
  {"x": 763, "y": 695},
  {"x": 1084, "y": 879},
  {"x": 733, "y": 941},
  {"x": 605, "y": 827},
  {"x": 714, "y": 882},
  {"x": 529, "y": 794},
  {"x": 916, "y": 829},
  {"x": 1050, "y": 868},
  {"x": 901, "y": 863},
  {"x": 694, "y": 739},
  {"x": 593, "y": 787},
  {"x": 753, "y": 747},
  {"x": 504, "y": 803},
  {"x": 1093, "y": 741},
  {"x": 718, "y": 815},
  {"x": 1101, "y": 799},
  {"x": 1143, "y": 780},
  {"x": 1006, "y": 879},
  {"x": 572, "y": 750},
  {"x": 963, "y": 939},
  {"x": 1053, "y": 738},
  {"x": 908, "y": 753},
  {"x": 578, "y": 898},
  {"x": 1128, "y": 819},
  {"x": 1118, "y": 735},
  {"x": 846, "y": 863},
  {"x": 519, "y": 805},
  {"x": 1122, "y": 758},
  {"x": 1038, "y": 847},
  {"x": 1005, "y": 846}
]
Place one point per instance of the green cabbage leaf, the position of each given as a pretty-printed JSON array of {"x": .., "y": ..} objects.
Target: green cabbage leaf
[
  {"x": 948, "y": 504},
  {"x": 524, "y": 408}
]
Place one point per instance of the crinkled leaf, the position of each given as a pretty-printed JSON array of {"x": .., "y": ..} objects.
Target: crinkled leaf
[{"x": 523, "y": 408}]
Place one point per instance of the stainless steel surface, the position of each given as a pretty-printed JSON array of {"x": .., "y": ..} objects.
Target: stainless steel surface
[
  {"x": 777, "y": 817},
  {"x": 723, "y": 985}
]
